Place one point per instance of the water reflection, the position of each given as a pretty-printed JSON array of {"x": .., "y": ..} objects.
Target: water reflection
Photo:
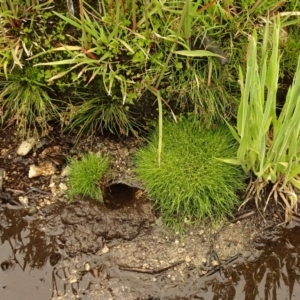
[
  {"x": 29, "y": 259},
  {"x": 274, "y": 275},
  {"x": 24, "y": 252},
  {"x": 29, "y": 246}
]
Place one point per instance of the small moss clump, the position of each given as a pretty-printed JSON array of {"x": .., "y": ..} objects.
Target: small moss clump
[
  {"x": 191, "y": 183},
  {"x": 85, "y": 175}
]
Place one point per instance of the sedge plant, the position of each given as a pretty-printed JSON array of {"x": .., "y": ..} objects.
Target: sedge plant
[
  {"x": 190, "y": 184},
  {"x": 85, "y": 176},
  {"x": 100, "y": 114},
  {"x": 269, "y": 144},
  {"x": 26, "y": 102}
]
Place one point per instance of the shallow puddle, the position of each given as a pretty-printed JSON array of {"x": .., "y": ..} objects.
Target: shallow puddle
[
  {"x": 274, "y": 275},
  {"x": 36, "y": 263},
  {"x": 26, "y": 272}
]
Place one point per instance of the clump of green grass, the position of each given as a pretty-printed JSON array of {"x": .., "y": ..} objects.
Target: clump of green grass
[
  {"x": 191, "y": 182},
  {"x": 26, "y": 102},
  {"x": 96, "y": 113},
  {"x": 85, "y": 176}
]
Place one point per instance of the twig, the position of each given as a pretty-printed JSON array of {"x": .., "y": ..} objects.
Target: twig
[
  {"x": 150, "y": 271},
  {"x": 14, "y": 191},
  {"x": 243, "y": 216},
  {"x": 1, "y": 179},
  {"x": 38, "y": 190}
]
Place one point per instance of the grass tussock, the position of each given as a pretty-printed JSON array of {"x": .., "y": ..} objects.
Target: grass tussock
[
  {"x": 26, "y": 102},
  {"x": 85, "y": 176},
  {"x": 191, "y": 183},
  {"x": 96, "y": 114}
]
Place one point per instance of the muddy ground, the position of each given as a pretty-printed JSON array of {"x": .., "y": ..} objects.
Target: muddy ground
[{"x": 53, "y": 249}]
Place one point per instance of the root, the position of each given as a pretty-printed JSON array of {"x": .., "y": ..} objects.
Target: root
[{"x": 282, "y": 193}]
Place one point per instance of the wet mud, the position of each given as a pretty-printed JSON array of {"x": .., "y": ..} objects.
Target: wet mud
[
  {"x": 53, "y": 249},
  {"x": 78, "y": 251}
]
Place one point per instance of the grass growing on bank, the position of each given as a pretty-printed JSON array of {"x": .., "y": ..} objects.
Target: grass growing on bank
[
  {"x": 97, "y": 113},
  {"x": 191, "y": 183},
  {"x": 85, "y": 176},
  {"x": 25, "y": 101},
  {"x": 185, "y": 53}
]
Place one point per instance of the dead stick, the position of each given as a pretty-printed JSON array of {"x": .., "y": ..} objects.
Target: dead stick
[
  {"x": 1, "y": 179},
  {"x": 149, "y": 271}
]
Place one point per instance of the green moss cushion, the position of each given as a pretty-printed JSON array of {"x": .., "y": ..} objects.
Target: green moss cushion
[{"x": 191, "y": 183}]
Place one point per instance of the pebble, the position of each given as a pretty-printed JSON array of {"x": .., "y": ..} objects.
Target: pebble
[
  {"x": 63, "y": 186},
  {"x": 45, "y": 168},
  {"x": 201, "y": 232},
  {"x": 187, "y": 259},
  {"x": 23, "y": 200},
  {"x": 4, "y": 151},
  {"x": 105, "y": 249},
  {"x": 32, "y": 210},
  {"x": 72, "y": 279},
  {"x": 87, "y": 266},
  {"x": 65, "y": 172},
  {"x": 26, "y": 146},
  {"x": 214, "y": 263}
]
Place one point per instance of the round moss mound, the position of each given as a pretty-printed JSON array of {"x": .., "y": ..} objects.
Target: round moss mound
[
  {"x": 191, "y": 183},
  {"x": 85, "y": 175}
]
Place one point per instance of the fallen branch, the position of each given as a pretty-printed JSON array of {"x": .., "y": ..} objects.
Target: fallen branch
[{"x": 150, "y": 271}]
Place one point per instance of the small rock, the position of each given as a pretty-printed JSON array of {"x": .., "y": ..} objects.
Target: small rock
[
  {"x": 87, "y": 266},
  {"x": 65, "y": 172},
  {"x": 72, "y": 279},
  {"x": 52, "y": 185},
  {"x": 63, "y": 186},
  {"x": 51, "y": 151},
  {"x": 214, "y": 263},
  {"x": 47, "y": 201},
  {"x": 201, "y": 232},
  {"x": 45, "y": 168},
  {"x": 32, "y": 211},
  {"x": 105, "y": 249},
  {"x": 187, "y": 259},
  {"x": 26, "y": 146},
  {"x": 23, "y": 200},
  {"x": 4, "y": 151}
]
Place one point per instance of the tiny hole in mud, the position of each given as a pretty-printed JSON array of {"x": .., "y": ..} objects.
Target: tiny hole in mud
[{"x": 118, "y": 195}]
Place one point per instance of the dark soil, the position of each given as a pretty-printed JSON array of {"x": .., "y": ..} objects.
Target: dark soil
[{"x": 53, "y": 249}]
